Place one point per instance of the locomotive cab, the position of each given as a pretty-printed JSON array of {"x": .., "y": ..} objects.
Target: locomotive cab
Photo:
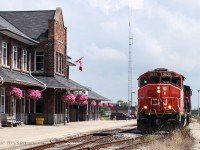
[{"x": 163, "y": 101}]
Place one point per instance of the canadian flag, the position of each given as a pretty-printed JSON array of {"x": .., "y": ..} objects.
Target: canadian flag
[{"x": 80, "y": 63}]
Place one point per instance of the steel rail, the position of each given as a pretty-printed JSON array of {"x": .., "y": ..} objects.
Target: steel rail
[
  {"x": 109, "y": 144},
  {"x": 88, "y": 142},
  {"x": 50, "y": 145}
]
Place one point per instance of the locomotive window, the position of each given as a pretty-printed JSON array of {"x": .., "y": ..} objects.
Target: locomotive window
[
  {"x": 165, "y": 80},
  {"x": 154, "y": 80},
  {"x": 144, "y": 81},
  {"x": 176, "y": 81}
]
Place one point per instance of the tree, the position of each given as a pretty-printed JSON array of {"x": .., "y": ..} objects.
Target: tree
[
  {"x": 104, "y": 110},
  {"x": 122, "y": 103}
]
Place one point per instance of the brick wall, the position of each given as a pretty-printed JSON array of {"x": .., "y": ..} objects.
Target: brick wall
[
  {"x": 56, "y": 42},
  {"x": 12, "y": 42}
]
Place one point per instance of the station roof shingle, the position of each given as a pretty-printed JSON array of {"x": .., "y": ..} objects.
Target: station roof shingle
[
  {"x": 17, "y": 77},
  {"x": 33, "y": 24}
]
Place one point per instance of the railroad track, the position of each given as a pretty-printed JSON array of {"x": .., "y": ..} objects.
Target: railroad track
[{"x": 93, "y": 141}]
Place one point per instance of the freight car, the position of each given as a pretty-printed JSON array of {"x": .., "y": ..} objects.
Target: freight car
[{"x": 164, "y": 102}]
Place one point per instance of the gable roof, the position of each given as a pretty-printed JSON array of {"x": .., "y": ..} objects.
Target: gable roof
[{"x": 33, "y": 24}]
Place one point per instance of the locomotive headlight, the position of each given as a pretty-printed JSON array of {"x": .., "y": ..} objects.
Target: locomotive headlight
[
  {"x": 158, "y": 91},
  {"x": 145, "y": 107},
  {"x": 158, "y": 87},
  {"x": 170, "y": 107}
]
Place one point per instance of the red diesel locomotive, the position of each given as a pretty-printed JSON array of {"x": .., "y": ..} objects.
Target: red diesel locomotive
[{"x": 164, "y": 102}]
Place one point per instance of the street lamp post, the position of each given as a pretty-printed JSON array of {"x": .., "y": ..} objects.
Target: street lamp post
[
  {"x": 198, "y": 102},
  {"x": 132, "y": 98},
  {"x": 130, "y": 104}
]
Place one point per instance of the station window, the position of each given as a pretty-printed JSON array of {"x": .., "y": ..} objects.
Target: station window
[
  {"x": 25, "y": 60},
  {"x": 165, "y": 80},
  {"x": 15, "y": 57},
  {"x": 4, "y": 53},
  {"x": 39, "y": 61},
  {"x": 2, "y": 100},
  {"x": 59, "y": 63},
  {"x": 176, "y": 81},
  {"x": 154, "y": 80}
]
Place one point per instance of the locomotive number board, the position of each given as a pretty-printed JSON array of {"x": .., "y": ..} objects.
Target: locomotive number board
[
  {"x": 154, "y": 74},
  {"x": 166, "y": 74}
]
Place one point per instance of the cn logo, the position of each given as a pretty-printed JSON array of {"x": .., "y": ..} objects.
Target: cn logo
[{"x": 157, "y": 101}]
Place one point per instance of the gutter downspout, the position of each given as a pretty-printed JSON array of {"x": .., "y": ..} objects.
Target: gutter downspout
[
  {"x": 45, "y": 86},
  {"x": 1, "y": 78}
]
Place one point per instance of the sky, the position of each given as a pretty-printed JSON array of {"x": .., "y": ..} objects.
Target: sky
[{"x": 166, "y": 34}]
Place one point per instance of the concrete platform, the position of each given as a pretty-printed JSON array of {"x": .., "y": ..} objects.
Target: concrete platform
[{"x": 31, "y": 135}]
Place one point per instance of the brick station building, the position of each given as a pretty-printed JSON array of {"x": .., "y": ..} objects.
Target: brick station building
[{"x": 33, "y": 55}]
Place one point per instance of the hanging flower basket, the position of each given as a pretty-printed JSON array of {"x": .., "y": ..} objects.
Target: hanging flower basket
[
  {"x": 110, "y": 105},
  {"x": 33, "y": 94},
  {"x": 69, "y": 98},
  {"x": 100, "y": 104},
  {"x": 83, "y": 103},
  {"x": 15, "y": 92},
  {"x": 93, "y": 103},
  {"x": 105, "y": 104},
  {"x": 81, "y": 98}
]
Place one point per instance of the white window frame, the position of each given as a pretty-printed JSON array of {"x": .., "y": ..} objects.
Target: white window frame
[
  {"x": 59, "y": 61},
  {"x": 25, "y": 62},
  {"x": 30, "y": 57},
  {"x": 15, "y": 54},
  {"x": 4, "y": 48},
  {"x": 35, "y": 68},
  {"x": 4, "y": 96}
]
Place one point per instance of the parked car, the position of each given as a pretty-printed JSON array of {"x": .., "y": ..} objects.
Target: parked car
[{"x": 120, "y": 116}]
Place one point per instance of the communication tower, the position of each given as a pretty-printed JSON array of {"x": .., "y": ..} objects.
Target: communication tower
[{"x": 130, "y": 68}]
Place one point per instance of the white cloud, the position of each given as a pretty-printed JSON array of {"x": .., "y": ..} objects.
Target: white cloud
[
  {"x": 110, "y": 25},
  {"x": 114, "y": 5},
  {"x": 106, "y": 53}
]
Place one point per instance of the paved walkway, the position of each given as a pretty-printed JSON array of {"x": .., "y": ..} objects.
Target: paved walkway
[{"x": 31, "y": 135}]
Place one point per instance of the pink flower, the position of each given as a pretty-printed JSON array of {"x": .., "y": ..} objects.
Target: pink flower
[
  {"x": 110, "y": 105},
  {"x": 83, "y": 103},
  {"x": 93, "y": 103},
  {"x": 33, "y": 94},
  {"x": 105, "y": 104},
  {"x": 100, "y": 104},
  {"x": 69, "y": 98},
  {"x": 16, "y": 92},
  {"x": 81, "y": 97}
]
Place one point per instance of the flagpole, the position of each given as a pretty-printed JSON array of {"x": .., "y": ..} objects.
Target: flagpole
[{"x": 79, "y": 59}]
